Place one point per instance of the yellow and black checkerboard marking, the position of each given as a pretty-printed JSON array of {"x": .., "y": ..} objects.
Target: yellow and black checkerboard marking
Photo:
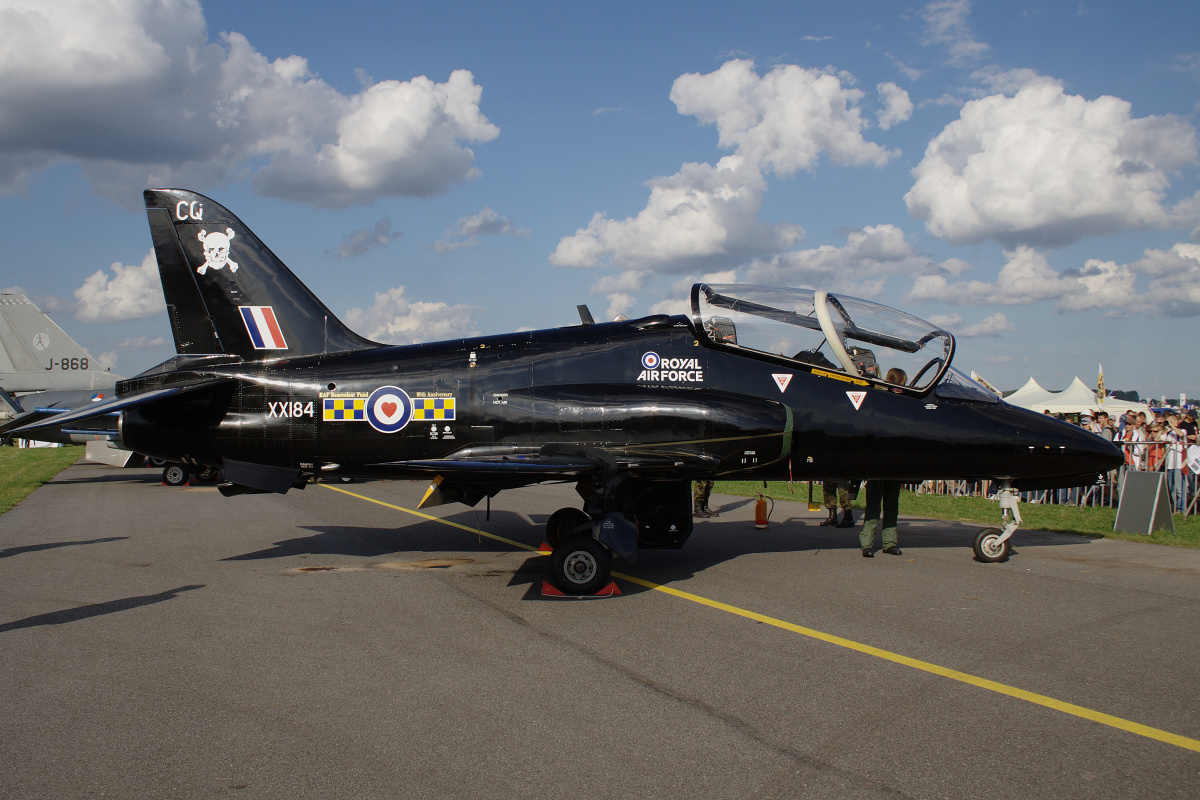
[
  {"x": 345, "y": 409},
  {"x": 433, "y": 408}
]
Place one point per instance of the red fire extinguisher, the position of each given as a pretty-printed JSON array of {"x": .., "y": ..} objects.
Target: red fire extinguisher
[{"x": 761, "y": 512}]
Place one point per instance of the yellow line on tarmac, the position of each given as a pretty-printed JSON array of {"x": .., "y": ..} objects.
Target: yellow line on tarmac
[
  {"x": 924, "y": 666},
  {"x": 422, "y": 515}
]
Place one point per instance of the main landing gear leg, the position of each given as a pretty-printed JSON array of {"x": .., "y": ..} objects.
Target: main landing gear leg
[{"x": 991, "y": 544}]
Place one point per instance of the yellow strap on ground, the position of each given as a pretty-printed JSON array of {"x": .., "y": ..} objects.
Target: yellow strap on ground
[{"x": 924, "y": 666}]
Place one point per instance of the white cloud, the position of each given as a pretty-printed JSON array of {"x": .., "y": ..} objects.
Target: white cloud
[
  {"x": 946, "y": 24},
  {"x": 912, "y": 73},
  {"x": 1010, "y": 81},
  {"x": 782, "y": 121},
  {"x": 702, "y": 216},
  {"x": 992, "y": 325},
  {"x": 627, "y": 282},
  {"x": 1027, "y": 277},
  {"x": 705, "y": 217},
  {"x": 133, "y": 292},
  {"x": 618, "y": 304},
  {"x": 1163, "y": 283},
  {"x": 395, "y": 319},
  {"x": 137, "y": 95},
  {"x": 466, "y": 231},
  {"x": 398, "y": 138},
  {"x": 861, "y": 267},
  {"x": 672, "y": 307},
  {"x": 1046, "y": 168},
  {"x": 363, "y": 240},
  {"x": 1172, "y": 280},
  {"x": 897, "y": 106},
  {"x": 948, "y": 321}
]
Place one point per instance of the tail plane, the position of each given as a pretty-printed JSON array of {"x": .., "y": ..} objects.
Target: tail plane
[
  {"x": 37, "y": 356},
  {"x": 226, "y": 291}
]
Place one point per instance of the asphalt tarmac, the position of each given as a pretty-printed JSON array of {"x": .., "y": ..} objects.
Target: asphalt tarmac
[{"x": 161, "y": 643}]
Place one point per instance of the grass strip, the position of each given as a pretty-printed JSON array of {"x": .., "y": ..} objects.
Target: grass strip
[
  {"x": 23, "y": 470},
  {"x": 1095, "y": 522}
]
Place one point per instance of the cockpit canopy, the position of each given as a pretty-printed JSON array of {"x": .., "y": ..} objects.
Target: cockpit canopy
[{"x": 824, "y": 331}]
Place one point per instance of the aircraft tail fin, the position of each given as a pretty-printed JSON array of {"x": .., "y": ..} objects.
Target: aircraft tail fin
[
  {"x": 36, "y": 355},
  {"x": 226, "y": 291}
]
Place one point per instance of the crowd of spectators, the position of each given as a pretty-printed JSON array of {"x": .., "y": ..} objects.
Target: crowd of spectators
[{"x": 1162, "y": 440}]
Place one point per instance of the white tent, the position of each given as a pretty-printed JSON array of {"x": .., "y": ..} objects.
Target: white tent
[
  {"x": 1116, "y": 408},
  {"x": 1075, "y": 399},
  {"x": 1029, "y": 395}
]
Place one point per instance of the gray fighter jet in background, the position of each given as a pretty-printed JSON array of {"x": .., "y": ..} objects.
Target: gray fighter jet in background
[{"x": 44, "y": 372}]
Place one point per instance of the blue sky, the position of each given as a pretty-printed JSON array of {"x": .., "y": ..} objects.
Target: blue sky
[{"x": 1023, "y": 173}]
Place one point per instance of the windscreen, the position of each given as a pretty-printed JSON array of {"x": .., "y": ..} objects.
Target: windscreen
[{"x": 827, "y": 331}]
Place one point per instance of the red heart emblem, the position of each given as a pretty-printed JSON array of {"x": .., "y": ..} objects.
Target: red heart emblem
[{"x": 388, "y": 409}]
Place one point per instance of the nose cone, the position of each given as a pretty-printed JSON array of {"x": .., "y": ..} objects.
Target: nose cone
[{"x": 1060, "y": 454}]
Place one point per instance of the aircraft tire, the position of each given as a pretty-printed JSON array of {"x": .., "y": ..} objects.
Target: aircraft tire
[
  {"x": 988, "y": 548},
  {"x": 175, "y": 475},
  {"x": 580, "y": 566},
  {"x": 558, "y": 527}
]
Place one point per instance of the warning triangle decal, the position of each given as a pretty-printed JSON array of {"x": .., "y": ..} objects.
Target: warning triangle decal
[
  {"x": 857, "y": 398},
  {"x": 782, "y": 380}
]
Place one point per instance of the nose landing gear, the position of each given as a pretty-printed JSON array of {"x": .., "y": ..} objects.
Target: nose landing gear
[{"x": 992, "y": 544}]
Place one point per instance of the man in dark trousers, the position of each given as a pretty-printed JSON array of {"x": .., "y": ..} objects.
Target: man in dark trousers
[{"x": 887, "y": 495}]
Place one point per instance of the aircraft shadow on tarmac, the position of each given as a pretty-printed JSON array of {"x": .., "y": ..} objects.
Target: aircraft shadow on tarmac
[
  {"x": 713, "y": 542},
  {"x": 112, "y": 477},
  {"x": 374, "y": 542},
  {"x": 9, "y": 552},
  {"x": 96, "y": 609}
]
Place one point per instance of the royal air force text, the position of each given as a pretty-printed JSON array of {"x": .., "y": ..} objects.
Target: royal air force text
[{"x": 674, "y": 370}]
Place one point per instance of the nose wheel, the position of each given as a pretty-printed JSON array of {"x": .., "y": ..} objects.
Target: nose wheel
[
  {"x": 992, "y": 544},
  {"x": 989, "y": 548}
]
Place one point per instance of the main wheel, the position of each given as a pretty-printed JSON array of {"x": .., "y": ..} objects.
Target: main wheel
[
  {"x": 175, "y": 475},
  {"x": 565, "y": 524},
  {"x": 580, "y": 566},
  {"x": 988, "y": 547}
]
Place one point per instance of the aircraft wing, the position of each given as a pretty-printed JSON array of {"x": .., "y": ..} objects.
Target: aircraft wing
[
  {"x": 553, "y": 460},
  {"x": 119, "y": 404}
]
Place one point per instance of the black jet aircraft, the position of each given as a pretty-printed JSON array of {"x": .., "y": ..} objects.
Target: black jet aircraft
[{"x": 755, "y": 383}]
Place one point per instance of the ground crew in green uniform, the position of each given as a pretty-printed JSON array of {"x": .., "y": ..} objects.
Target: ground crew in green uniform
[
  {"x": 886, "y": 494},
  {"x": 700, "y": 494},
  {"x": 837, "y": 493}
]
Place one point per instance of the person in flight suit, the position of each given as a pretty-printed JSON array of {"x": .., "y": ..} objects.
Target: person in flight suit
[
  {"x": 837, "y": 493},
  {"x": 700, "y": 494},
  {"x": 883, "y": 502}
]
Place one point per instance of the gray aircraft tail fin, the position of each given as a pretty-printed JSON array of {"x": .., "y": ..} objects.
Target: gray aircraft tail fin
[
  {"x": 36, "y": 355},
  {"x": 226, "y": 291}
]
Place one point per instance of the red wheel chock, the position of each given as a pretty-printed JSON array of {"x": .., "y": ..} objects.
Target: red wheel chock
[{"x": 550, "y": 590}]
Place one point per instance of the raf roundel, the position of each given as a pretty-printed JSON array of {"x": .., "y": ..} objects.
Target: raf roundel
[
  {"x": 650, "y": 360},
  {"x": 389, "y": 409}
]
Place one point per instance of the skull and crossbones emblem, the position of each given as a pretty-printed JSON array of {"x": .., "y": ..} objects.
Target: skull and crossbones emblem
[{"x": 216, "y": 251}]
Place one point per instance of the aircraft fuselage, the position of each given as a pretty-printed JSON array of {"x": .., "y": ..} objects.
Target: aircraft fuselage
[{"x": 646, "y": 388}]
